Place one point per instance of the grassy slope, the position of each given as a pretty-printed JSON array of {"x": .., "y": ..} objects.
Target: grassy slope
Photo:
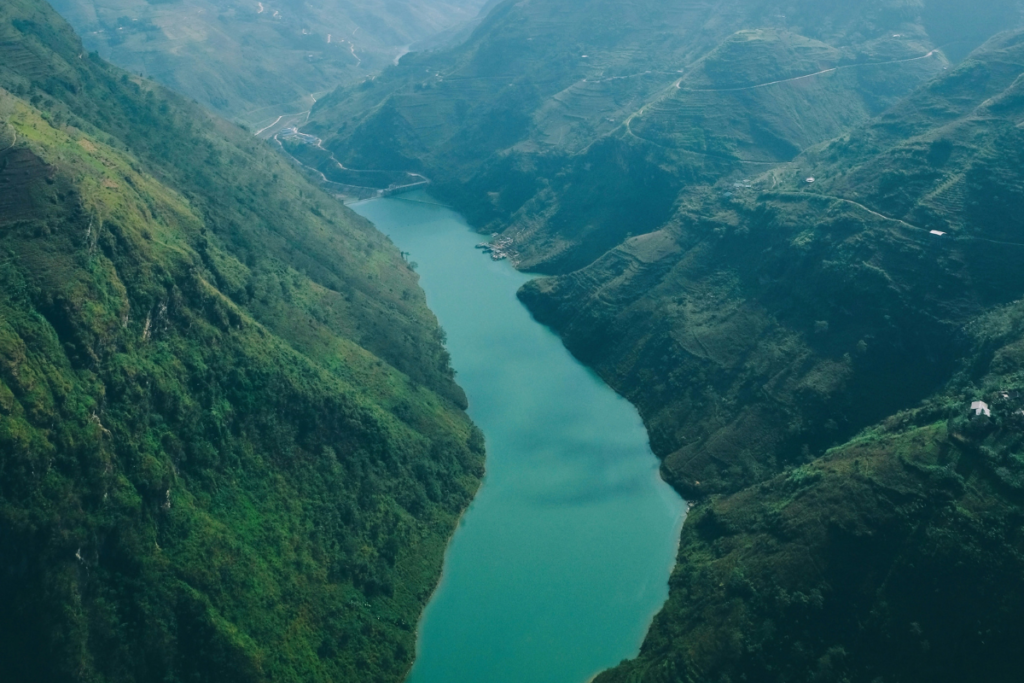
[
  {"x": 230, "y": 442},
  {"x": 239, "y": 61}
]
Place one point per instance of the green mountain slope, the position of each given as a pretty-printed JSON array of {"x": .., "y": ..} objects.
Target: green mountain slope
[
  {"x": 255, "y": 60},
  {"x": 895, "y": 557},
  {"x": 767, "y": 322},
  {"x": 781, "y": 316},
  {"x": 231, "y": 447},
  {"x": 567, "y": 125}
]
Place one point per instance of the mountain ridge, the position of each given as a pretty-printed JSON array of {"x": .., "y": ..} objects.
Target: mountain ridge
[{"x": 247, "y": 59}]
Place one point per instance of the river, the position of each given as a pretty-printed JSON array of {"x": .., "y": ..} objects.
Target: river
[{"x": 563, "y": 558}]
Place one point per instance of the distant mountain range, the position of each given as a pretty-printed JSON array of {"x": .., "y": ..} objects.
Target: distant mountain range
[{"x": 246, "y": 59}]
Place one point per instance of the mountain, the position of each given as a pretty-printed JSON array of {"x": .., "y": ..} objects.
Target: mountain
[
  {"x": 865, "y": 311},
  {"x": 787, "y": 231},
  {"x": 745, "y": 341},
  {"x": 231, "y": 444},
  {"x": 253, "y": 60},
  {"x": 781, "y": 317},
  {"x": 790, "y": 234},
  {"x": 895, "y": 557},
  {"x": 564, "y": 125}
]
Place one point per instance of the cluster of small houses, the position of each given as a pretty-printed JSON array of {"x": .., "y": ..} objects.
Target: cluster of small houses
[
  {"x": 982, "y": 409},
  {"x": 498, "y": 249}
]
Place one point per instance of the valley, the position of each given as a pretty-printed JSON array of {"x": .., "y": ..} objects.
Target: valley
[
  {"x": 786, "y": 234},
  {"x": 573, "y": 522},
  {"x": 763, "y": 324}
]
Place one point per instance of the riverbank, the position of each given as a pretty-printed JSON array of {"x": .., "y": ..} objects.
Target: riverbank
[{"x": 562, "y": 560}]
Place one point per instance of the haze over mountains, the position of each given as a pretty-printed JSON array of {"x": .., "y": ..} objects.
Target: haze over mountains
[
  {"x": 240, "y": 57},
  {"x": 789, "y": 232}
]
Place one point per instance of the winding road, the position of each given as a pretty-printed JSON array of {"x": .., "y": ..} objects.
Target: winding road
[
  {"x": 800, "y": 78},
  {"x": 900, "y": 221},
  {"x": 271, "y": 125},
  {"x": 677, "y": 86},
  {"x": 423, "y": 180}
]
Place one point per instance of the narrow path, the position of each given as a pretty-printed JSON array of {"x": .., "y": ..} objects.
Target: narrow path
[
  {"x": 620, "y": 78},
  {"x": 677, "y": 86},
  {"x": 352, "y": 49},
  {"x": 271, "y": 125},
  {"x": 858, "y": 205},
  {"x": 245, "y": 117},
  {"x": 683, "y": 150},
  {"x": 423, "y": 180},
  {"x": 898, "y": 220},
  {"x": 799, "y": 78},
  {"x": 657, "y": 98},
  {"x": 320, "y": 146}
]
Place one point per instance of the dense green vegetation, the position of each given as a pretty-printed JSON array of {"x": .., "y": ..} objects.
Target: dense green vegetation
[
  {"x": 567, "y": 125},
  {"x": 895, "y": 557},
  {"x": 767, "y": 322},
  {"x": 780, "y": 317},
  {"x": 254, "y": 60},
  {"x": 231, "y": 446},
  {"x": 803, "y": 352},
  {"x": 788, "y": 232}
]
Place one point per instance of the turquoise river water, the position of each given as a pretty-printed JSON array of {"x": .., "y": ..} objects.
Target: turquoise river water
[{"x": 563, "y": 558}]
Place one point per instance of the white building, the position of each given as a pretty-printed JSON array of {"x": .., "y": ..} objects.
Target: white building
[{"x": 980, "y": 408}]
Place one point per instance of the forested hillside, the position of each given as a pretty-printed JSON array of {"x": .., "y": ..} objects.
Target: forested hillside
[
  {"x": 864, "y": 311},
  {"x": 566, "y": 125},
  {"x": 231, "y": 446},
  {"x": 896, "y": 557},
  {"x": 791, "y": 236},
  {"x": 811, "y": 310}
]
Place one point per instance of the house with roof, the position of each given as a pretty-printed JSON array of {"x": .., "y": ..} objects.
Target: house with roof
[{"x": 979, "y": 408}]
